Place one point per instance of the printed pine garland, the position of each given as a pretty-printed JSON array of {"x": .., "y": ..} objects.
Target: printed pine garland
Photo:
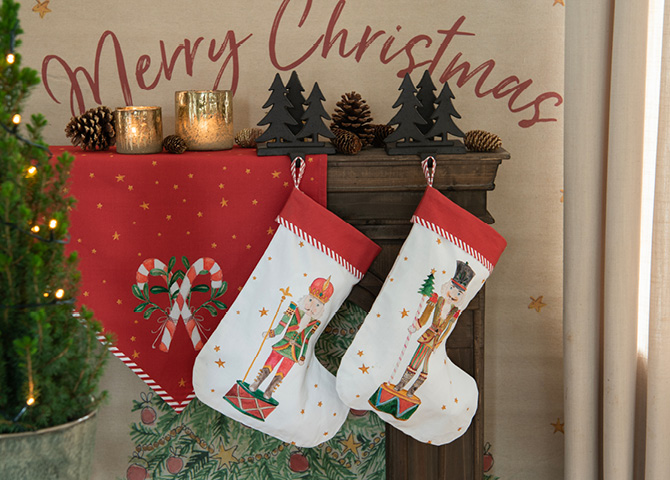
[{"x": 201, "y": 443}]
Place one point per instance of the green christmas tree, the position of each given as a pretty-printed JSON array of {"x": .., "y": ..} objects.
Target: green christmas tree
[
  {"x": 50, "y": 357},
  {"x": 428, "y": 285}
]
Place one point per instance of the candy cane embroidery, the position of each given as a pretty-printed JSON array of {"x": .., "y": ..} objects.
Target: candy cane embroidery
[
  {"x": 179, "y": 297},
  {"x": 180, "y": 307},
  {"x": 154, "y": 267}
]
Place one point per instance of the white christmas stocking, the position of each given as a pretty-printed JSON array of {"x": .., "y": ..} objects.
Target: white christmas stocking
[
  {"x": 397, "y": 365},
  {"x": 258, "y": 367}
]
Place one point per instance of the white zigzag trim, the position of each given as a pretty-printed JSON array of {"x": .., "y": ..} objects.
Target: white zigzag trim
[
  {"x": 317, "y": 244},
  {"x": 177, "y": 406},
  {"x": 455, "y": 240}
]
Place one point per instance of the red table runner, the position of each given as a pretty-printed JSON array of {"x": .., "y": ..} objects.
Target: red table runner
[{"x": 166, "y": 243}]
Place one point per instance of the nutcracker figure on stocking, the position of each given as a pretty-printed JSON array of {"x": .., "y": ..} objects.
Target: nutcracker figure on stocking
[
  {"x": 443, "y": 321},
  {"x": 299, "y": 323}
]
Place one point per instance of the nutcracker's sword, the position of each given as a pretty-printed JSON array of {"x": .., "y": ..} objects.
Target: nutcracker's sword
[{"x": 285, "y": 293}]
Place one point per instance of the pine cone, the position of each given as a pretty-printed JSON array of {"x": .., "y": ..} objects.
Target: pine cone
[
  {"x": 174, "y": 144},
  {"x": 335, "y": 130},
  {"x": 246, "y": 137},
  {"x": 379, "y": 133},
  {"x": 353, "y": 115},
  {"x": 481, "y": 141},
  {"x": 92, "y": 130},
  {"x": 346, "y": 142}
]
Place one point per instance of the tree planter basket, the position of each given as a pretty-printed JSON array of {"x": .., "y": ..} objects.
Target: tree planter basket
[{"x": 61, "y": 452}]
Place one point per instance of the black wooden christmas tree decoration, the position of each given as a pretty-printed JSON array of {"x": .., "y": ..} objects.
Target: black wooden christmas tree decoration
[
  {"x": 314, "y": 117},
  {"x": 278, "y": 118},
  {"x": 419, "y": 121},
  {"x": 288, "y": 133},
  {"x": 425, "y": 95},
  {"x": 294, "y": 94},
  {"x": 408, "y": 118},
  {"x": 443, "y": 116}
]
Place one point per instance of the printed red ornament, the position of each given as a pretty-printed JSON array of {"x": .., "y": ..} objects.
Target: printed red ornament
[
  {"x": 488, "y": 457},
  {"x": 298, "y": 462},
  {"x": 148, "y": 414},
  {"x": 174, "y": 463},
  {"x": 137, "y": 470}
]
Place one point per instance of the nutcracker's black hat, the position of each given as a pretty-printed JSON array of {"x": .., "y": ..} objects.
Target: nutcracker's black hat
[{"x": 463, "y": 276}]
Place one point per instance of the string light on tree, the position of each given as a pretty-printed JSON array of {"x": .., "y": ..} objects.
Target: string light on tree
[
  {"x": 31, "y": 386},
  {"x": 30, "y": 401},
  {"x": 35, "y": 229},
  {"x": 10, "y": 58},
  {"x": 52, "y": 226},
  {"x": 16, "y": 119},
  {"x": 58, "y": 295},
  {"x": 31, "y": 171}
]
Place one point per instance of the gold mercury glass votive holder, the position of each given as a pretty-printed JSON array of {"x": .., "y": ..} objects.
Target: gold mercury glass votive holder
[
  {"x": 204, "y": 118},
  {"x": 139, "y": 130}
]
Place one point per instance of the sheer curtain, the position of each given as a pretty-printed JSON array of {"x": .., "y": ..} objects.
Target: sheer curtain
[{"x": 616, "y": 397}]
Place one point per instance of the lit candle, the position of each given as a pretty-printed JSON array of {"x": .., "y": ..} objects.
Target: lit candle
[
  {"x": 139, "y": 130},
  {"x": 204, "y": 119}
]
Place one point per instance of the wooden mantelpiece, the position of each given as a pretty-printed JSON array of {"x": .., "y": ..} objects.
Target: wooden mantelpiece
[{"x": 378, "y": 194}]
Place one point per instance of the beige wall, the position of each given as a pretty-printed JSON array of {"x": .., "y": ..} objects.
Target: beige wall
[{"x": 518, "y": 47}]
